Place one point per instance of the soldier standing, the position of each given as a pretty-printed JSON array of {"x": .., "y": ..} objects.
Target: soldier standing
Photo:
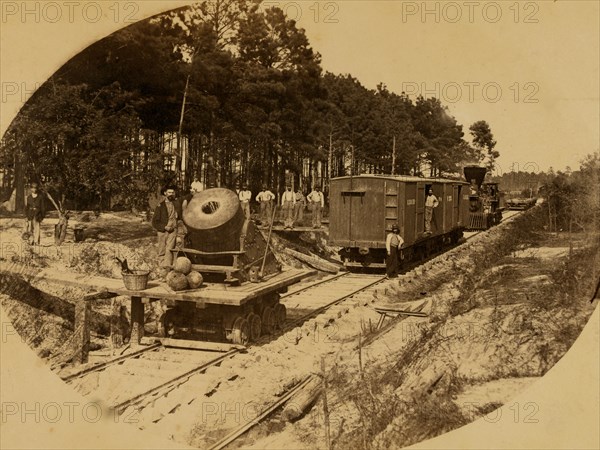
[
  {"x": 165, "y": 223},
  {"x": 299, "y": 205},
  {"x": 288, "y": 201},
  {"x": 265, "y": 199},
  {"x": 393, "y": 243},
  {"x": 431, "y": 202},
  {"x": 245, "y": 196},
  {"x": 35, "y": 210},
  {"x": 317, "y": 200}
]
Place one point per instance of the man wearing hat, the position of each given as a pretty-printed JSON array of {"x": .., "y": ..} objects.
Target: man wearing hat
[
  {"x": 317, "y": 201},
  {"x": 35, "y": 209},
  {"x": 393, "y": 243},
  {"x": 245, "y": 196},
  {"x": 164, "y": 221},
  {"x": 264, "y": 199},
  {"x": 288, "y": 200}
]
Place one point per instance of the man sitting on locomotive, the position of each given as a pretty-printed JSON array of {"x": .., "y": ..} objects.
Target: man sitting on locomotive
[
  {"x": 393, "y": 243},
  {"x": 431, "y": 202},
  {"x": 165, "y": 223}
]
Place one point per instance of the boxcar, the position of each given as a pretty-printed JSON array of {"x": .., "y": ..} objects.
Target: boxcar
[{"x": 364, "y": 208}]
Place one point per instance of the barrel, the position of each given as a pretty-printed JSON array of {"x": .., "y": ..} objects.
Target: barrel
[{"x": 214, "y": 220}]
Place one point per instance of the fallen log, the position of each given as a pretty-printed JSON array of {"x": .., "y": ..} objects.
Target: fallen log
[
  {"x": 313, "y": 261},
  {"x": 303, "y": 399}
]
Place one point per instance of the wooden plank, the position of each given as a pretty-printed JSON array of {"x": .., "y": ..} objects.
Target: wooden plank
[
  {"x": 193, "y": 345},
  {"x": 81, "y": 335},
  {"x": 313, "y": 261},
  {"x": 101, "y": 295}
]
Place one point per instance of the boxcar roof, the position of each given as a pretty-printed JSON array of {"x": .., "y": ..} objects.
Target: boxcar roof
[{"x": 406, "y": 178}]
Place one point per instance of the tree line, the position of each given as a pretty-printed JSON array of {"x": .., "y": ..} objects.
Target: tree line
[{"x": 231, "y": 93}]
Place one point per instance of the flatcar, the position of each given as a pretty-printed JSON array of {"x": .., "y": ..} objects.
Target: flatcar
[
  {"x": 364, "y": 208},
  {"x": 485, "y": 209},
  {"x": 520, "y": 204},
  {"x": 239, "y": 300}
]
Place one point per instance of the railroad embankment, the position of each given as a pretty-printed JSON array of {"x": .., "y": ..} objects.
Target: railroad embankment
[{"x": 503, "y": 309}]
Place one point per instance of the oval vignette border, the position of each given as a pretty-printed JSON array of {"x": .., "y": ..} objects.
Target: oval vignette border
[{"x": 568, "y": 394}]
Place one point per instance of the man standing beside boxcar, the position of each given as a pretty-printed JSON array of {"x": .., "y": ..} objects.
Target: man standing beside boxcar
[
  {"x": 245, "y": 196},
  {"x": 317, "y": 200},
  {"x": 264, "y": 199},
  {"x": 35, "y": 210},
  {"x": 165, "y": 224},
  {"x": 393, "y": 243},
  {"x": 431, "y": 202}
]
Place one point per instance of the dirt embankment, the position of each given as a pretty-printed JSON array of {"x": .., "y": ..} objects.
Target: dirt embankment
[{"x": 504, "y": 309}]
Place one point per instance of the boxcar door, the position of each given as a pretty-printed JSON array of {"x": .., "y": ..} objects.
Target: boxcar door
[
  {"x": 449, "y": 207},
  {"x": 367, "y": 210},
  {"x": 410, "y": 214},
  {"x": 420, "y": 208},
  {"x": 340, "y": 213},
  {"x": 456, "y": 190},
  {"x": 392, "y": 214}
]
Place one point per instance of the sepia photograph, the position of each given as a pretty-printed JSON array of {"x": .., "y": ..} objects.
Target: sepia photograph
[{"x": 312, "y": 224}]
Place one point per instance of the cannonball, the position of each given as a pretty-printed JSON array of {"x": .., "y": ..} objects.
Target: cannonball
[
  {"x": 195, "y": 279},
  {"x": 183, "y": 265},
  {"x": 177, "y": 281}
]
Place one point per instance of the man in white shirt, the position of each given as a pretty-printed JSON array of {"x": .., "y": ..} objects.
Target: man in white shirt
[
  {"x": 288, "y": 200},
  {"x": 393, "y": 243},
  {"x": 430, "y": 202},
  {"x": 197, "y": 186},
  {"x": 264, "y": 199},
  {"x": 245, "y": 196},
  {"x": 317, "y": 200}
]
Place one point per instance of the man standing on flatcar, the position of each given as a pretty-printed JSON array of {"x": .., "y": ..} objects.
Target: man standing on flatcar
[
  {"x": 299, "y": 205},
  {"x": 265, "y": 198},
  {"x": 245, "y": 196},
  {"x": 165, "y": 223},
  {"x": 393, "y": 243},
  {"x": 288, "y": 200},
  {"x": 431, "y": 202},
  {"x": 317, "y": 200}
]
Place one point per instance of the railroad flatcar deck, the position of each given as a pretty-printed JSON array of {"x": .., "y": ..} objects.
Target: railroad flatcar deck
[{"x": 209, "y": 293}]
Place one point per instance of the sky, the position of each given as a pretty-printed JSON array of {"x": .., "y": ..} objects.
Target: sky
[{"x": 530, "y": 69}]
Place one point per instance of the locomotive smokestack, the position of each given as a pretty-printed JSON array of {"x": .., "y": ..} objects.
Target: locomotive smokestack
[{"x": 475, "y": 173}]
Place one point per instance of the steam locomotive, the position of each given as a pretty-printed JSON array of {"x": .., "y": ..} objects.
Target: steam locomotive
[{"x": 485, "y": 208}]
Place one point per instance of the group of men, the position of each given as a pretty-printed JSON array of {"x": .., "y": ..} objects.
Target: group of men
[
  {"x": 292, "y": 205},
  {"x": 169, "y": 212}
]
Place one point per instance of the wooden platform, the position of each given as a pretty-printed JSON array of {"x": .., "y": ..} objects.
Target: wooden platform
[
  {"x": 295, "y": 229},
  {"x": 210, "y": 293}
]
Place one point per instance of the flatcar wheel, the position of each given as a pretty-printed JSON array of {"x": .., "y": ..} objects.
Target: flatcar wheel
[
  {"x": 280, "y": 315},
  {"x": 268, "y": 320},
  {"x": 167, "y": 324},
  {"x": 240, "y": 331},
  {"x": 255, "y": 325}
]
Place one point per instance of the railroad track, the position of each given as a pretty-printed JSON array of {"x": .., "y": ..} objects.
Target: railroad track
[{"x": 157, "y": 372}]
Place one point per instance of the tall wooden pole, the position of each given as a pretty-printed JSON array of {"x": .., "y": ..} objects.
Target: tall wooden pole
[
  {"x": 179, "y": 132},
  {"x": 394, "y": 156}
]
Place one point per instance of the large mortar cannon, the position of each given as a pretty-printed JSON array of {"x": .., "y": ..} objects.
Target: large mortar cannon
[{"x": 220, "y": 240}]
